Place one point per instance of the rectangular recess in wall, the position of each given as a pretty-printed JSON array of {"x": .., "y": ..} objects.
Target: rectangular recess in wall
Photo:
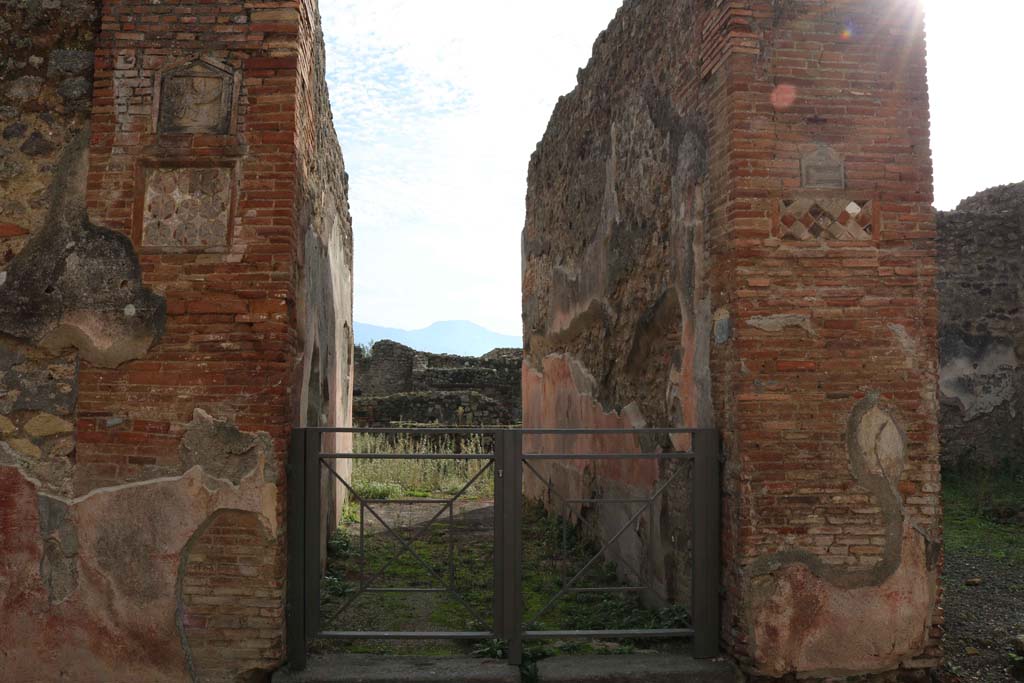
[
  {"x": 184, "y": 206},
  {"x": 835, "y": 219}
]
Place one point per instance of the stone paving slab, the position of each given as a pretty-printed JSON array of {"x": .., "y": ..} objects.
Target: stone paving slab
[
  {"x": 635, "y": 669},
  {"x": 350, "y": 668}
]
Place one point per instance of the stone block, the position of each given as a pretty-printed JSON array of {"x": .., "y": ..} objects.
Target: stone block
[
  {"x": 25, "y": 447},
  {"x": 44, "y": 424},
  {"x": 282, "y": 15}
]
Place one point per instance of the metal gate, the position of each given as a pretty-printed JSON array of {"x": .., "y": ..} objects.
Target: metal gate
[{"x": 308, "y": 463}]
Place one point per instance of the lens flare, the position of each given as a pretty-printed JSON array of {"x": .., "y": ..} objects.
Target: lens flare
[{"x": 847, "y": 32}]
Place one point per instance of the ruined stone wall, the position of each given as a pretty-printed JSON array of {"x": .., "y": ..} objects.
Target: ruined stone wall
[
  {"x": 156, "y": 343},
  {"x": 394, "y": 383},
  {"x": 981, "y": 287},
  {"x": 616, "y": 309},
  {"x": 385, "y": 368},
  {"x": 45, "y": 95},
  {"x": 729, "y": 225},
  {"x": 445, "y": 408}
]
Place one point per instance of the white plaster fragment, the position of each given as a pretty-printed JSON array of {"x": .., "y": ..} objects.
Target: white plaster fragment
[
  {"x": 777, "y": 323},
  {"x": 980, "y": 386},
  {"x": 904, "y": 338}
]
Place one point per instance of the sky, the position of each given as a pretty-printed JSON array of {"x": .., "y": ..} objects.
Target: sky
[{"x": 438, "y": 106}]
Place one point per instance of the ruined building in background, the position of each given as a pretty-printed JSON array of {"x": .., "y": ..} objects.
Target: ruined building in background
[
  {"x": 397, "y": 384},
  {"x": 981, "y": 289},
  {"x": 729, "y": 225},
  {"x": 175, "y": 294}
]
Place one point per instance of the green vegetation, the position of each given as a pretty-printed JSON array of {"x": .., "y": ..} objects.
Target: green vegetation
[
  {"x": 462, "y": 588},
  {"x": 545, "y": 567},
  {"x": 378, "y": 478},
  {"x": 983, "y": 515}
]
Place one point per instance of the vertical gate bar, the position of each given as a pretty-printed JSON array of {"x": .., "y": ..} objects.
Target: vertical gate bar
[
  {"x": 311, "y": 458},
  {"x": 706, "y": 539},
  {"x": 563, "y": 521},
  {"x": 451, "y": 545},
  {"x": 362, "y": 545},
  {"x": 295, "y": 618},
  {"x": 499, "y": 535},
  {"x": 514, "y": 545}
]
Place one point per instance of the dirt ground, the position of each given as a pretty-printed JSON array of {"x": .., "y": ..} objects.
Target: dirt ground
[{"x": 983, "y": 621}]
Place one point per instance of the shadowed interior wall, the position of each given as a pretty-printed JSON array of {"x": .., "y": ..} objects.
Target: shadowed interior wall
[
  {"x": 617, "y": 313},
  {"x": 729, "y": 225},
  {"x": 981, "y": 287}
]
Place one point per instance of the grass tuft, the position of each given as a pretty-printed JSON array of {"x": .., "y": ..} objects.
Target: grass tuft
[
  {"x": 408, "y": 477},
  {"x": 982, "y": 515}
]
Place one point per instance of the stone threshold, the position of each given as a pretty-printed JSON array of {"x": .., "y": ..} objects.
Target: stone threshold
[{"x": 352, "y": 668}]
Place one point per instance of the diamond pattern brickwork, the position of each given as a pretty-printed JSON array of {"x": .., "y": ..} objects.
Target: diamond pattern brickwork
[{"x": 826, "y": 220}]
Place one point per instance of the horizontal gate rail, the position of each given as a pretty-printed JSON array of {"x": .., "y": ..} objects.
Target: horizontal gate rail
[
  {"x": 307, "y": 462},
  {"x": 404, "y": 456}
]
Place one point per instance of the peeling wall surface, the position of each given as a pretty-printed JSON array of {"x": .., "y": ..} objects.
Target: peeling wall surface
[
  {"x": 324, "y": 296},
  {"x": 729, "y": 225},
  {"x": 981, "y": 287},
  {"x": 175, "y": 294},
  {"x": 395, "y": 383},
  {"x": 617, "y": 317}
]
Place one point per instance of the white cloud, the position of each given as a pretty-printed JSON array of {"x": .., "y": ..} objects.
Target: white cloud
[{"x": 439, "y": 105}]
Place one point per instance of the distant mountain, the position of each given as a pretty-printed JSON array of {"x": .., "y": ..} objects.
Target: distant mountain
[{"x": 460, "y": 337}]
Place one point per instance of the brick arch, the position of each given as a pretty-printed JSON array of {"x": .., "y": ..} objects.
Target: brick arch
[{"x": 228, "y": 616}]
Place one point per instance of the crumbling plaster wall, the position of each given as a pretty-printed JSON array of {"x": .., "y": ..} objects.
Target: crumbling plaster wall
[
  {"x": 729, "y": 225},
  {"x": 50, "y": 293},
  {"x": 324, "y": 295},
  {"x": 45, "y": 95},
  {"x": 981, "y": 290},
  {"x": 617, "y": 315},
  {"x": 170, "y": 199}
]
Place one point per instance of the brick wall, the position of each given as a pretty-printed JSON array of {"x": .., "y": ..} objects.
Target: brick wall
[
  {"x": 186, "y": 301},
  {"x": 228, "y": 345},
  {"x": 850, "y": 76},
  {"x": 227, "y": 581},
  {"x": 782, "y": 150}
]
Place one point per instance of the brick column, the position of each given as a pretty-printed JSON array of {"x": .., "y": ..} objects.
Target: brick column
[
  {"x": 825, "y": 375},
  {"x": 193, "y": 158}
]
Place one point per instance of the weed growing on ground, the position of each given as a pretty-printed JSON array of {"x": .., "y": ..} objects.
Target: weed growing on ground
[
  {"x": 385, "y": 478},
  {"x": 552, "y": 551},
  {"x": 982, "y": 515}
]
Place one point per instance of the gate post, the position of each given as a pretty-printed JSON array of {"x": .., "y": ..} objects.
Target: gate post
[
  {"x": 707, "y": 513},
  {"x": 294, "y": 617},
  {"x": 311, "y": 535},
  {"x": 512, "y": 552},
  {"x": 500, "y": 462}
]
